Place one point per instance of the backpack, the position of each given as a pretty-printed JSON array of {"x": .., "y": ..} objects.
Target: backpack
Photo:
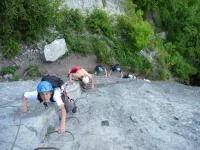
[
  {"x": 117, "y": 68},
  {"x": 56, "y": 82},
  {"x": 100, "y": 69}
]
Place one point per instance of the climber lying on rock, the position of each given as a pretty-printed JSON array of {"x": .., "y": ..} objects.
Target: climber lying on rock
[{"x": 79, "y": 73}]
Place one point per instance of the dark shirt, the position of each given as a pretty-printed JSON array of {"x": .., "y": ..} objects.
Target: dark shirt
[
  {"x": 114, "y": 67},
  {"x": 126, "y": 75}
]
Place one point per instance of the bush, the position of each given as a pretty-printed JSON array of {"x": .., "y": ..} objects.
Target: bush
[
  {"x": 81, "y": 44},
  {"x": 103, "y": 51},
  {"x": 33, "y": 71},
  {"x": 134, "y": 30},
  {"x": 141, "y": 65},
  {"x": 9, "y": 70},
  {"x": 99, "y": 22},
  {"x": 181, "y": 68},
  {"x": 124, "y": 27},
  {"x": 183, "y": 29},
  {"x": 123, "y": 52},
  {"x": 161, "y": 66},
  {"x": 72, "y": 19},
  {"x": 10, "y": 49},
  {"x": 27, "y": 19},
  {"x": 141, "y": 35}
]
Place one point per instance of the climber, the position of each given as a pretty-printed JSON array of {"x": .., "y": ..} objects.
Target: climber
[
  {"x": 100, "y": 69},
  {"x": 116, "y": 68},
  {"x": 48, "y": 91},
  {"x": 128, "y": 75},
  {"x": 79, "y": 73}
]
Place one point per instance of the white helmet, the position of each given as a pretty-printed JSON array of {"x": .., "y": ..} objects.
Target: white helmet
[{"x": 85, "y": 79}]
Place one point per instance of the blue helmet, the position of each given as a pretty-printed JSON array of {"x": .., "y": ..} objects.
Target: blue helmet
[
  {"x": 118, "y": 69},
  {"x": 100, "y": 69},
  {"x": 44, "y": 86}
]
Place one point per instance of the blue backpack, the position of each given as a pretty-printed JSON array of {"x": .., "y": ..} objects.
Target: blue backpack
[
  {"x": 117, "y": 67},
  {"x": 100, "y": 69}
]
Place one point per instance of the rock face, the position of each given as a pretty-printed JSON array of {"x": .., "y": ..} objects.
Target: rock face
[
  {"x": 117, "y": 114},
  {"x": 110, "y": 6},
  {"x": 55, "y": 50}
]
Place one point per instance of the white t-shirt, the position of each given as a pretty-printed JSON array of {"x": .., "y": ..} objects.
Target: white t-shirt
[{"x": 56, "y": 97}]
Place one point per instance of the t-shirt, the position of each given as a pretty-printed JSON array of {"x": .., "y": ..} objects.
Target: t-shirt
[{"x": 56, "y": 97}]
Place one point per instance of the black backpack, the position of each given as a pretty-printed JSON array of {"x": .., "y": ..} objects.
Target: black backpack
[{"x": 54, "y": 80}]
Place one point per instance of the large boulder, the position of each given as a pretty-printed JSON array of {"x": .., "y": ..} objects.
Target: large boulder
[{"x": 55, "y": 50}]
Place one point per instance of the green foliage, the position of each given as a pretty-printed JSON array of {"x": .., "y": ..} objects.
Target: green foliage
[
  {"x": 103, "y": 51},
  {"x": 50, "y": 129},
  {"x": 125, "y": 27},
  {"x": 141, "y": 65},
  {"x": 25, "y": 19},
  {"x": 161, "y": 59},
  {"x": 123, "y": 53},
  {"x": 104, "y": 3},
  {"x": 134, "y": 30},
  {"x": 147, "y": 4},
  {"x": 70, "y": 39},
  {"x": 142, "y": 34},
  {"x": 110, "y": 38},
  {"x": 181, "y": 68},
  {"x": 72, "y": 24},
  {"x": 182, "y": 22},
  {"x": 91, "y": 44},
  {"x": 81, "y": 44},
  {"x": 135, "y": 35},
  {"x": 72, "y": 19},
  {"x": 177, "y": 64},
  {"x": 16, "y": 78},
  {"x": 99, "y": 22},
  {"x": 157, "y": 21},
  {"x": 127, "y": 57},
  {"x": 33, "y": 71},
  {"x": 10, "y": 49},
  {"x": 9, "y": 70},
  {"x": 161, "y": 65}
]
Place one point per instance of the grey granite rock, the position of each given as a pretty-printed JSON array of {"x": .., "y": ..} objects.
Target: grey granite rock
[{"x": 138, "y": 114}]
